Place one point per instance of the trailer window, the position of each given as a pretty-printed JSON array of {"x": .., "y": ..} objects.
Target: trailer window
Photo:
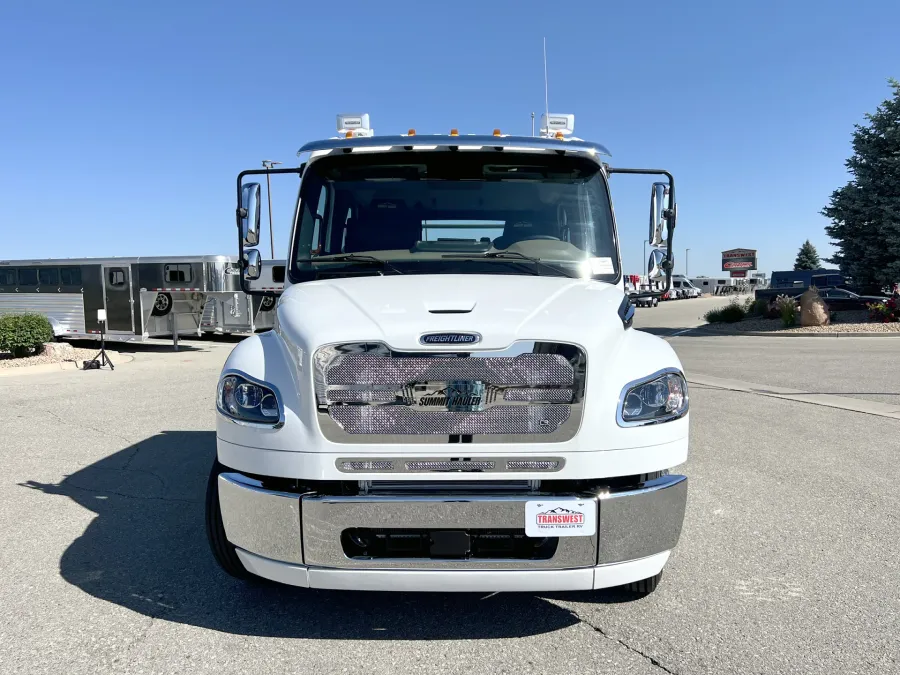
[
  {"x": 70, "y": 276},
  {"x": 28, "y": 277},
  {"x": 48, "y": 276},
  {"x": 178, "y": 274},
  {"x": 116, "y": 278},
  {"x": 7, "y": 277},
  {"x": 278, "y": 274}
]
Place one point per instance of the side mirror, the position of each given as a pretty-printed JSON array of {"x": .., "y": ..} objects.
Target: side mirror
[
  {"x": 248, "y": 214},
  {"x": 658, "y": 198},
  {"x": 252, "y": 264},
  {"x": 655, "y": 269}
]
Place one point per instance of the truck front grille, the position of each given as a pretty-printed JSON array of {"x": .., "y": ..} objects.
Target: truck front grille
[{"x": 366, "y": 393}]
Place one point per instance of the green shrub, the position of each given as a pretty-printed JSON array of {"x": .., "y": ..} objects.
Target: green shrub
[
  {"x": 754, "y": 307},
  {"x": 787, "y": 309},
  {"x": 731, "y": 313},
  {"x": 21, "y": 333}
]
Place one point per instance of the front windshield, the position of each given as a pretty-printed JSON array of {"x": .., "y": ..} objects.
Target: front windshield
[{"x": 454, "y": 213}]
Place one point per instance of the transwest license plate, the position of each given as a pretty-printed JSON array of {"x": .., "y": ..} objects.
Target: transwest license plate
[{"x": 560, "y": 518}]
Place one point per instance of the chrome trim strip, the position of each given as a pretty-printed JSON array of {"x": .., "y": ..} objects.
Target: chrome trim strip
[
  {"x": 467, "y": 581},
  {"x": 635, "y": 383},
  {"x": 246, "y": 423}
]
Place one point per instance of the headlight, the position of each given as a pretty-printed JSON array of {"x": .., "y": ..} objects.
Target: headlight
[
  {"x": 659, "y": 398},
  {"x": 244, "y": 400}
]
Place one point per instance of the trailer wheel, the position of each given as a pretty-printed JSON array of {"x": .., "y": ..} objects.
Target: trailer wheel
[
  {"x": 222, "y": 550},
  {"x": 644, "y": 586},
  {"x": 655, "y": 302},
  {"x": 162, "y": 305}
]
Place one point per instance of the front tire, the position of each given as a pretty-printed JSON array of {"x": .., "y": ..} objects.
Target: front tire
[
  {"x": 223, "y": 550},
  {"x": 643, "y": 587}
]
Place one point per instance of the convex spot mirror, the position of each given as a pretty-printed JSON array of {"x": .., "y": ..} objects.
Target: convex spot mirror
[
  {"x": 252, "y": 264},
  {"x": 655, "y": 265},
  {"x": 248, "y": 214},
  {"x": 659, "y": 202}
]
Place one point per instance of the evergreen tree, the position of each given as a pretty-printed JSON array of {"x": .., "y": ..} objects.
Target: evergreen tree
[
  {"x": 865, "y": 213},
  {"x": 807, "y": 258}
]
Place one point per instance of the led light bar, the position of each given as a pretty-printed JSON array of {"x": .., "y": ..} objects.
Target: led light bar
[
  {"x": 449, "y": 465},
  {"x": 378, "y": 465},
  {"x": 532, "y": 465}
]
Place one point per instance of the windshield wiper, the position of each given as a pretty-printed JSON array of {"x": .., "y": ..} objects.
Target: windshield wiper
[
  {"x": 357, "y": 257},
  {"x": 514, "y": 255}
]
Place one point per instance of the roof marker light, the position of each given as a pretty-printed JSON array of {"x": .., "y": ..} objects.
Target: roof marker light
[
  {"x": 454, "y": 132},
  {"x": 497, "y": 132},
  {"x": 411, "y": 132}
]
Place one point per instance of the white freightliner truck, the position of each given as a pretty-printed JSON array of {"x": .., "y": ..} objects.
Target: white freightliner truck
[{"x": 452, "y": 397}]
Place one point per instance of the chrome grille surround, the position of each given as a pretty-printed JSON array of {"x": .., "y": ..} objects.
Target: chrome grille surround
[{"x": 368, "y": 393}]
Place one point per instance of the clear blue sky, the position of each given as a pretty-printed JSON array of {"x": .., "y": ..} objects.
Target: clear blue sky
[{"x": 125, "y": 123}]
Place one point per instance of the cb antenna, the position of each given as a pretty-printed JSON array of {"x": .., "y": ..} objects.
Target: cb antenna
[{"x": 546, "y": 88}]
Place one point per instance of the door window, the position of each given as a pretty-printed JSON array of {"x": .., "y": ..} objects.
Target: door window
[{"x": 116, "y": 278}]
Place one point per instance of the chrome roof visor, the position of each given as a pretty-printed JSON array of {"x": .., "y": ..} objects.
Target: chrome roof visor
[{"x": 462, "y": 143}]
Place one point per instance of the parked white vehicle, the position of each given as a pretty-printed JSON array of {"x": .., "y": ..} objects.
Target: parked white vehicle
[
  {"x": 452, "y": 397},
  {"x": 685, "y": 288}
]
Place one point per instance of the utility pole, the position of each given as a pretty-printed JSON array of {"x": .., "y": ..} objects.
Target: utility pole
[
  {"x": 686, "y": 252},
  {"x": 269, "y": 164}
]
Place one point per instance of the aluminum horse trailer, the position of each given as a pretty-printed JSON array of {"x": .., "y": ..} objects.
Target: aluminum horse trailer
[{"x": 144, "y": 297}]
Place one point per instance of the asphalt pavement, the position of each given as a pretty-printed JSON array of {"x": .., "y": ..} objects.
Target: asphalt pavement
[{"x": 787, "y": 561}]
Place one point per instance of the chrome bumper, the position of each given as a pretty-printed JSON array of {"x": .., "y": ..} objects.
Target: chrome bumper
[{"x": 304, "y": 531}]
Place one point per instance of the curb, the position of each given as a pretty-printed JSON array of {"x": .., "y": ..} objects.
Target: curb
[{"x": 756, "y": 333}]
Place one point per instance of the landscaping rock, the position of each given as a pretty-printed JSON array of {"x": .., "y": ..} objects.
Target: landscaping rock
[
  {"x": 813, "y": 310},
  {"x": 59, "y": 351}
]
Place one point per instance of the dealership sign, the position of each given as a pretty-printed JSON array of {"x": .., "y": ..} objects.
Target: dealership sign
[
  {"x": 739, "y": 259},
  {"x": 738, "y": 274}
]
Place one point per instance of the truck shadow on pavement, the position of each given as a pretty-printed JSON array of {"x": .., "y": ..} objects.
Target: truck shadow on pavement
[{"x": 147, "y": 551}]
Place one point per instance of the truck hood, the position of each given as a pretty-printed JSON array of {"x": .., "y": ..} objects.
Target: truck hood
[{"x": 397, "y": 310}]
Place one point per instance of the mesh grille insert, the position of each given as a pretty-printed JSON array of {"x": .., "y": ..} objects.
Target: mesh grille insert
[
  {"x": 532, "y": 419},
  {"x": 523, "y": 370}
]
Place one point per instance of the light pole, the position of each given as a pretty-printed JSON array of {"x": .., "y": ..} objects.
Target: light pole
[
  {"x": 269, "y": 164},
  {"x": 686, "y": 251}
]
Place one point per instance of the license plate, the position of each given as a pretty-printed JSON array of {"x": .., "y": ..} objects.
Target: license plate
[{"x": 560, "y": 518}]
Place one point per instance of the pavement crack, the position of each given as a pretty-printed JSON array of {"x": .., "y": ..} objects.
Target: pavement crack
[
  {"x": 88, "y": 427},
  {"x": 634, "y": 650}
]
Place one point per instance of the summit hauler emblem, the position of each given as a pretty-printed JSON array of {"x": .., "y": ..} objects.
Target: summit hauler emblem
[
  {"x": 450, "y": 339},
  {"x": 561, "y": 518}
]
